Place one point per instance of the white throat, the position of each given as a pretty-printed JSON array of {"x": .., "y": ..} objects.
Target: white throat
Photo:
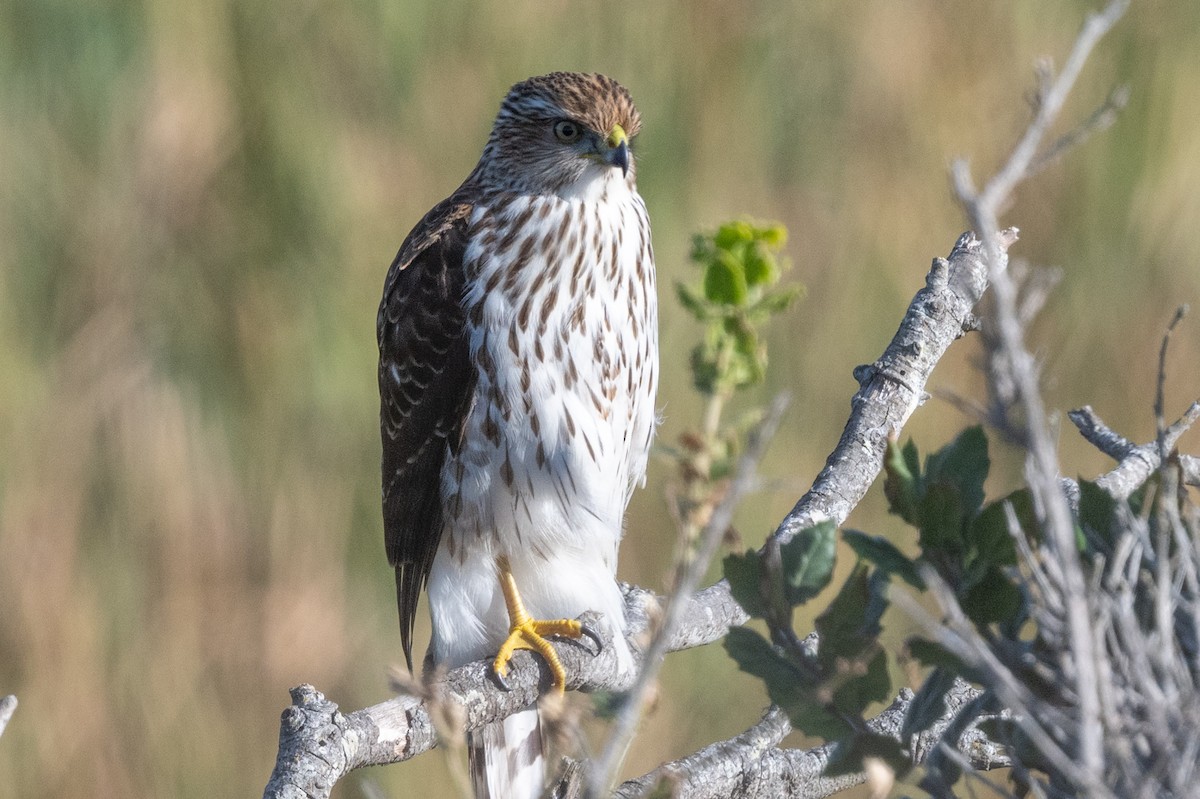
[{"x": 598, "y": 182}]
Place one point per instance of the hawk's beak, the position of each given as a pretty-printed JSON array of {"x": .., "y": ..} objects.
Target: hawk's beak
[{"x": 618, "y": 149}]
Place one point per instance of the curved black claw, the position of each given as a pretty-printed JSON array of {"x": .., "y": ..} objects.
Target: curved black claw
[
  {"x": 590, "y": 632},
  {"x": 503, "y": 683}
]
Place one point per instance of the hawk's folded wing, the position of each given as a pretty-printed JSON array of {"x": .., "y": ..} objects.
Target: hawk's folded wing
[{"x": 425, "y": 385}]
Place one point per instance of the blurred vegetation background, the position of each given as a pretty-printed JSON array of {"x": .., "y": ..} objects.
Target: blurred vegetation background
[{"x": 198, "y": 202}]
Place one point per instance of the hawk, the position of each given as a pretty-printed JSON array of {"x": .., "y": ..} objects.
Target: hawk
[{"x": 518, "y": 363}]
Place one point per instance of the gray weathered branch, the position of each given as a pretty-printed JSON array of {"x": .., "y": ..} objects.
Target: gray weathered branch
[
  {"x": 1135, "y": 463},
  {"x": 1041, "y": 465},
  {"x": 752, "y": 766}
]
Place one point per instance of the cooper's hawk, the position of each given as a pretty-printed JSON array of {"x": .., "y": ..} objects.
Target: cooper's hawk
[{"x": 518, "y": 361}]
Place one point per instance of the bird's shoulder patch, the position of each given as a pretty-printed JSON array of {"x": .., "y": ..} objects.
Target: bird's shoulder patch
[{"x": 450, "y": 213}]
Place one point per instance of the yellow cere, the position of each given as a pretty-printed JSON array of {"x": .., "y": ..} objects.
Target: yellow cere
[{"x": 617, "y": 137}]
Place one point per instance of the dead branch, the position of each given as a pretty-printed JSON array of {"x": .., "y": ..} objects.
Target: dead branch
[
  {"x": 1136, "y": 462},
  {"x": 752, "y": 765},
  {"x": 1042, "y": 471}
]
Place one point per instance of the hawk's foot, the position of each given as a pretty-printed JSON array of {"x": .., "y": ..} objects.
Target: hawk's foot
[{"x": 525, "y": 632}]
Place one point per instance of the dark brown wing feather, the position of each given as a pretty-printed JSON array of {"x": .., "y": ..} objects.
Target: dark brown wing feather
[{"x": 425, "y": 385}]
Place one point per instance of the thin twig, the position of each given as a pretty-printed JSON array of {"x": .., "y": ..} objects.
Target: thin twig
[
  {"x": 1160, "y": 422},
  {"x": 1099, "y": 434},
  {"x": 753, "y": 766},
  {"x": 957, "y": 636},
  {"x": 1101, "y": 119},
  {"x": 960, "y": 760},
  {"x": 1001, "y": 186}
]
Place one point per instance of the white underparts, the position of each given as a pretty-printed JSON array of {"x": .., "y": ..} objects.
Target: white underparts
[{"x": 562, "y": 317}]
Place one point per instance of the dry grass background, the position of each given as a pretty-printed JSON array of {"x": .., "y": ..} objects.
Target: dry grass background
[{"x": 198, "y": 202}]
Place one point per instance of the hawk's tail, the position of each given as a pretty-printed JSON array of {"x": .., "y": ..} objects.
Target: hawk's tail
[{"x": 506, "y": 758}]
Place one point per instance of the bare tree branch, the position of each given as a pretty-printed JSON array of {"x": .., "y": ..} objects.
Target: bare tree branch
[
  {"x": 1135, "y": 463},
  {"x": 1100, "y": 435},
  {"x": 1042, "y": 472},
  {"x": 1101, "y": 119},
  {"x": 894, "y": 386},
  {"x": 751, "y": 766},
  {"x": 1164, "y": 449},
  {"x": 957, "y": 635},
  {"x": 1049, "y": 103}
]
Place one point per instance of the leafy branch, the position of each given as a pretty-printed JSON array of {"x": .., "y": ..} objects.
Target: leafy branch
[{"x": 738, "y": 294}]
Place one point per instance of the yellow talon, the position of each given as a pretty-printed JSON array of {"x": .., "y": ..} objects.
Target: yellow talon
[{"x": 528, "y": 633}]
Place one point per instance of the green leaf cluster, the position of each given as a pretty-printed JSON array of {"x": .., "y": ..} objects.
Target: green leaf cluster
[
  {"x": 736, "y": 295},
  {"x": 824, "y": 691},
  {"x": 805, "y": 567},
  {"x": 967, "y": 543}
]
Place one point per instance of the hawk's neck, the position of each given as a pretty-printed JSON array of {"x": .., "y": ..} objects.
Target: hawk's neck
[{"x": 601, "y": 184}]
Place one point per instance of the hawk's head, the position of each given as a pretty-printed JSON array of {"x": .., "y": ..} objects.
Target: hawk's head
[{"x": 560, "y": 134}]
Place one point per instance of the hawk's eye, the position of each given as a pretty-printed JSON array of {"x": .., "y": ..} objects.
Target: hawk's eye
[{"x": 567, "y": 131}]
